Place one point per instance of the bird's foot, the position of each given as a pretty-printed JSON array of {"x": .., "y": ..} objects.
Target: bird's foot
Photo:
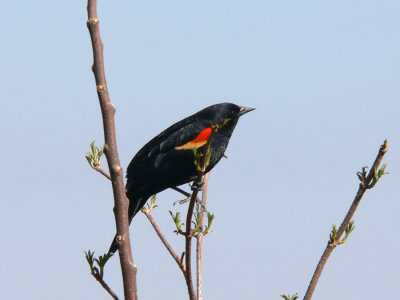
[
  {"x": 197, "y": 186},
  {"x": 186, "y": 200},
  {"x": 180, "y": 202}
]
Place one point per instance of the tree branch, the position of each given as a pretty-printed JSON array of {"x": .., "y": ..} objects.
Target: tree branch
[
  {"x": 200, "y": 236},
  {"x": 98, "y": 271},
  {"x": 110, "y": 149},
  {"x": 186, "y": 268},
  {"x": 105, "y": 286},
  {"x": 364, "y": 185},
  {"x": 147, "y": 212},
  {"x": 102, "y": 172},
  {"x": 188, "y": 237}
]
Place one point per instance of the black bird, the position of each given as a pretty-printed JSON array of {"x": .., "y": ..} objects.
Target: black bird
[{"x": 168, "y": 159}]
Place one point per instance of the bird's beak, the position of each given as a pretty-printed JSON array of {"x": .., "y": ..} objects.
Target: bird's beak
[{"x": 244, "y": 110}]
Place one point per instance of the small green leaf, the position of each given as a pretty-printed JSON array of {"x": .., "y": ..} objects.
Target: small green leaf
[
  {"x": 349, "y": 229},
  {"x": 210, "y": 219},
  {"x": 332, "y": 235},
  {"x": 197, "y": 158},
  {"x": 94, "y": 157},
  {"x": 90, "y": 160},
  {"x": 90, "y": 259},
  {"x": 362, "y": 175},
  {"x": 101, "y": 262},
  {"x": 381, "y": 171},
  {"x": 93, "y": 147},
  {"x": 152, "y": 205},
  {"x": 288, "y": 297},
  {"x": 177, "y": 220},
  {"x": 208, "y": 157},
  {"x": 377, "y": 176},
  {"x": 197, "y": 217}
]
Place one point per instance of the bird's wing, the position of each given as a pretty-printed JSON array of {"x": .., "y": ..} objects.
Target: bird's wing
[
  {"x": 153, "y": 152},
  {"x": 190, "y": 136}
]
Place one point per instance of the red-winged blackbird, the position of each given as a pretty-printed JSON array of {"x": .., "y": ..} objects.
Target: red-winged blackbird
[{"x": 168, "y": 159}]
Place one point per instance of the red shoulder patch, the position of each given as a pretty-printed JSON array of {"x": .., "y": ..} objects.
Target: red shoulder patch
[{"x": 199, "y": 141}]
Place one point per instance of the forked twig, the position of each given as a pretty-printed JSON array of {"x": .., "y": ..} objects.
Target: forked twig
[
  {"x": 102, "y": 172},
  {"x": 188, "y": 237},
  {"x": 99, "y": 273},
  {"x": 367, "y": 182},
  {"x": 186, "y": 267}
]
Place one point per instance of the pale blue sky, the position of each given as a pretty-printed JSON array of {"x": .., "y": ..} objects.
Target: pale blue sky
[{"x": 324, "y": 77}]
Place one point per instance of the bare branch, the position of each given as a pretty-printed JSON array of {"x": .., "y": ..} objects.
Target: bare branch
[
  {"x": 188, "y": 238},
  {"x": 110, "y": 150},
  {"x": 147, "y": 212},
  {"x": 186, "y": 268},
  {"x": 98, "y": 274},
  {"x": 101, "y": 171},
  {"x": 335, "y": 240},
  {"x": 105, "y": 286},
  {"x": 199, "y": 237}
]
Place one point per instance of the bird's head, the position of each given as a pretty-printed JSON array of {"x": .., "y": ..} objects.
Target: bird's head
[{"x": 225, "y": 115}]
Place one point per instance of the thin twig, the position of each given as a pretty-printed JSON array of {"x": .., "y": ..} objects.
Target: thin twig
[
  {"x": 105, "y": 285},
  {"x": 110, "y": 150},
  {"x": 101, "y": 171},
  {"x": 167, "y": 245},
  {"x": 188, "y": 236},
  {"x": 200, "y": 236},
  {"x": 331, "y": 245},
  {"x": 188, "y": 243}
]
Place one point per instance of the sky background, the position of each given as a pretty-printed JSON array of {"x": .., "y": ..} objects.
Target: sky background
[{"x": 324, "y": 77}]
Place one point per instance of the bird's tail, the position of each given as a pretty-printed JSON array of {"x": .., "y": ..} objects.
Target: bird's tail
[{"x": 135, "y": 205}]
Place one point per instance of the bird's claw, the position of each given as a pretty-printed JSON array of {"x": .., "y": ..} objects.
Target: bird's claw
[
  {"x": 180, "y": 202},
  {"x": 197, "y": 186}
]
